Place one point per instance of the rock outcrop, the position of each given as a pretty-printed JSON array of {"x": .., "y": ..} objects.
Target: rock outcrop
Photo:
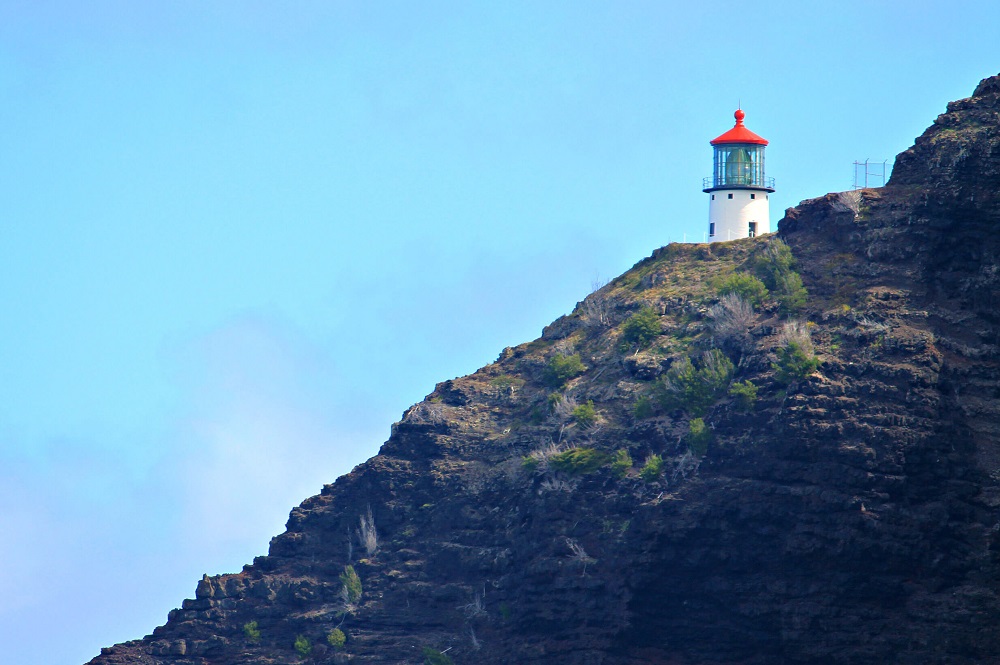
[{"x": 847, "y": 515}]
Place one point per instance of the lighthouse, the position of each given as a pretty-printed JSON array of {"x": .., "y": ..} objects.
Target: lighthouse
[{"x": 739, "y": 205}]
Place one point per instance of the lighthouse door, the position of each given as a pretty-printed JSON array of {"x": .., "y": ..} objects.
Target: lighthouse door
[{"x": 753, "y": 229}]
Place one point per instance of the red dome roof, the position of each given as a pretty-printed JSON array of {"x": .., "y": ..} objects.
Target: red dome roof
[{"x": 739, "y": 133}]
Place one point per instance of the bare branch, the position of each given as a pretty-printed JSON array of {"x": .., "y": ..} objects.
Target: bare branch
[
  {"x": 580, "y": 555},
  {"x": 367, "y": 535},
  {"x": 730, "y": 321}
]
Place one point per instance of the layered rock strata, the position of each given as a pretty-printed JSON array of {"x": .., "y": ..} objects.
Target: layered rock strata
[{"x": 850, "y": 516}]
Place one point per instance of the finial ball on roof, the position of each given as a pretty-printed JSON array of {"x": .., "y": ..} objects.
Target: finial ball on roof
[{"x": 739, "y": 133}]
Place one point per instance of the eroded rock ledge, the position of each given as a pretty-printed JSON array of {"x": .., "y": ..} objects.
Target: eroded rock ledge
[{"x": 847, "y": 517}]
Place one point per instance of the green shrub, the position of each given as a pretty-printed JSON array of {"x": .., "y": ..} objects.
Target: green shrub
[
  {"x": 302, "y": 645},
  {"x": 562, "y": 368},
  {"x": 585, "y": 415},
  {"x": 696, "y": 389},
  {"x": 252, "y": 632},
  {"x": 435, "y": 657},
  {"x": 698, "y": 437},
  {"x": 336, "y": 638},
  {"x": 772, "y": 261},
  {"x": 578, "y": 460},
  {"x": 530, "y": 463},
  {"x": 652, "y": 469},
  {"x": 641, "y": 328},
  {"x": 792, "y": 295},
  {"x": 681, "y": 386},
  {"x": 506, "y": 384},
  {"x": 553, "y": 400},
  {"x": 745, "y": 394},
  {"x": 796, "y": 361},
  {"x": 746, "y": 286},
  {"x": 352, "y": 584},
  {"x": 621, "y": 463},
  {"x": 775, "y": 266},
  {"x": 643, "y": 408}
]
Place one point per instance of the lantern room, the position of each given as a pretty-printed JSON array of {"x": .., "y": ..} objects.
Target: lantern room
[{"x": 739, "y": 188}]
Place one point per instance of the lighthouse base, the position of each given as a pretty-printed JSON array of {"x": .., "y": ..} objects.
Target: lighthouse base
[{"x": 738, "y": 213}]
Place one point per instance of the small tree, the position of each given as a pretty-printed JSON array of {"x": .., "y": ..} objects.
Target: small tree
[
  {"x": 773, "y": 260},
  {"x": 775, "y": 265},
  {"x": 302, "y": 646},
  {"x": 641, "y": 328},
  {"x": 585, "y": 415},
  {"x": 252, "y": 632},
  {"x": 695, "y": 390},
  {"x": 562, "y": 368},
  {"x": 351, "y": 590},
  {"x": 643, "y": 408},
  {"x": 796, "y": 358},
  {"x": 745, "y": 394},
  {"x": 716, "y": 371},
  {"x": 622, "y": 463},
  {"x": 698, "y": 437},
  {"x": 792, "y": 295},
  {"x": 794, "y": 364},
  {"x": 336, "y": 639},
  {"x": 746, "y": 286},
  {"x": 652, "y": 469}
]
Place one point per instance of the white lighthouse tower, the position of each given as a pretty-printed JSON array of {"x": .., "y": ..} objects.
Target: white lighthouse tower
[{"x": 739, "y": 207}]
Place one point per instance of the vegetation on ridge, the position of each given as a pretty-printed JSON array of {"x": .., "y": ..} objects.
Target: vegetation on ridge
[
  {"x": 562, "y": 368},
  {"x": 750, "y": 451}
]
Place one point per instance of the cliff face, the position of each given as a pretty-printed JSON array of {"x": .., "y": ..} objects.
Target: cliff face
[{"x": 850, "y": 516}]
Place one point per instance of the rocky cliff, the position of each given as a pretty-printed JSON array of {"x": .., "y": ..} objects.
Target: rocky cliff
[{"x": 615, "y": 493}]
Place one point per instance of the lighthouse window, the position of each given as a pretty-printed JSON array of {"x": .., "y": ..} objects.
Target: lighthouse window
[
  {"x": 713, "y": 197},
  {"x": 711, "y": 229},
  {"x": 740, "y": 165},
  {"x": 753, "y": 229},
  {"x": 753, "y": 196},
  {"x": 730, "y": 196}
]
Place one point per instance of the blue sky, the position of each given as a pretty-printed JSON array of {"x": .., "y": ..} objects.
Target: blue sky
[{"x": 237, "y": 240}]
